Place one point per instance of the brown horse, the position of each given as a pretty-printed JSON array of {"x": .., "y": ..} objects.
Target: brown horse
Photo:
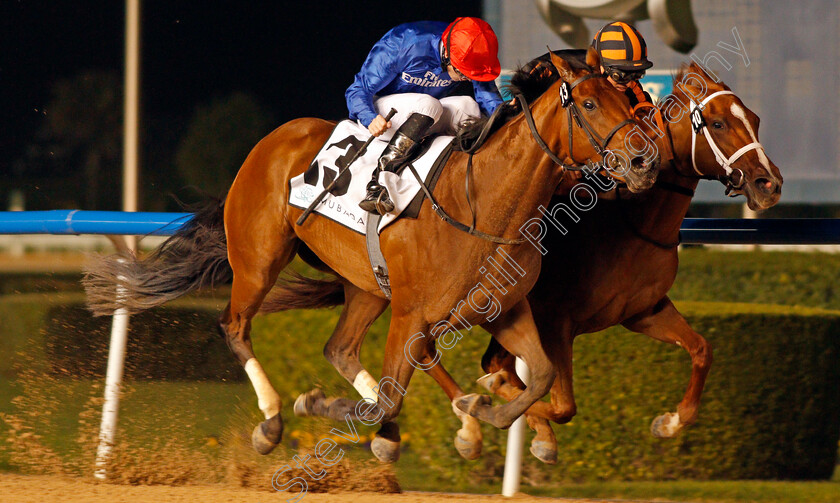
[
  {"x": 436, "y": 270},
  {"x": 591, "y": 258},
  {"x": 597, "y": 293}
]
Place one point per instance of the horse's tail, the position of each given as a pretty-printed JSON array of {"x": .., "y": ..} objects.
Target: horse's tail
[
  {"x": 300, "y": 292},
  {"x": 194, "y": 257}
]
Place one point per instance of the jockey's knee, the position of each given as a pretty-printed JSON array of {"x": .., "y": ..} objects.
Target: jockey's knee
[
  {"x": 427, "y": 105},
  {"x": 464, "y": 105},
  {"x": 456, "y": 110}
]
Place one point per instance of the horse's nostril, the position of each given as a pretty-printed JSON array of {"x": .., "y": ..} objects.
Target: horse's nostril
[{"x": 765, "y": 185}]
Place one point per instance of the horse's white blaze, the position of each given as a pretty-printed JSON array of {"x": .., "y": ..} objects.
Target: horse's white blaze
[
  {"x": 364, "y": 384},
  {"x": 267, "y": 398},
  {"x": 739, "y": 112}
]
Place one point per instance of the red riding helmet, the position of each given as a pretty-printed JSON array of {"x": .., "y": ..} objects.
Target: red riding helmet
[{"x": 473, "y": 48}]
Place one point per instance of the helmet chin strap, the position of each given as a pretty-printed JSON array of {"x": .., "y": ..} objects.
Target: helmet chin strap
[
  {"x": 699, "y": 124},
  {"x": 445, "y": 54}
]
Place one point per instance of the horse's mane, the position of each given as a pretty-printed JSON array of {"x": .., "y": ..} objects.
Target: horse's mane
[
  {"x": 531, "y": 81},
  {"x": 686, "y": 68}
]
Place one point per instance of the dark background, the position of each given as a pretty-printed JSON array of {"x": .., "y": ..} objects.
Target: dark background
[{"x": 294, "y": 59}]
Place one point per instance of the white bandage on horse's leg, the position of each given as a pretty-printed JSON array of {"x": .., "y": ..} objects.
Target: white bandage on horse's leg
[
  {"x": 364, "y": 384},
  {"x": 267, "y": 398}
]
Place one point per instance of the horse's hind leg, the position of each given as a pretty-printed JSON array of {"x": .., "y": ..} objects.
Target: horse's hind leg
[
  {"x": 517, "y": 332},
  {"x": 664, "y": 323},
  {"x": 256, "y": 265},
  {"x": 361, "y": 309},
  {"x": 342, "y": 350}
]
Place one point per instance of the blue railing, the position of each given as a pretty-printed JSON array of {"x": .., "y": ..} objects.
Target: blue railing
[
  {"x": 694, "y": 230},
  {"x": 91, "y": 222}
]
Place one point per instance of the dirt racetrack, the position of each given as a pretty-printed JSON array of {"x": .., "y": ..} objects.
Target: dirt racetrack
[{"x": 39, "y": 488}]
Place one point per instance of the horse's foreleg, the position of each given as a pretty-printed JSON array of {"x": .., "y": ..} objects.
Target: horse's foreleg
[
  {"x": 396, "y": 374},
  {"x": 517, "y": 332},
  {"x": 468, "y": 439},
  {"x": 502, "y": 380},
  {"x": 664, "y": 323}
]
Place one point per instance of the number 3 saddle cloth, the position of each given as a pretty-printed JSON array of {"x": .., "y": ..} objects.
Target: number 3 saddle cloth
[{"x": 342, "y": 204}]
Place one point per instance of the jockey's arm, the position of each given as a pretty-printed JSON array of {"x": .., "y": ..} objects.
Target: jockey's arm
[
  {"x": 378, "y": 70},
  {"x": 487, "y": 96}
]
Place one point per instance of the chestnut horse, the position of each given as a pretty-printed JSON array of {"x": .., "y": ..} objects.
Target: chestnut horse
[
  {"x": 590, "y": 263},
  {"x": 596, "y": 254},
  {"x": 435, "y": 268}
]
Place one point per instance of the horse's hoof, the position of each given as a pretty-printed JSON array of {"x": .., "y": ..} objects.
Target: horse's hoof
[
  {"x": 305, "y": 403},
  {"x": 267, "y": 434},
  {"x": 386, "y": 444},
  {"x": 490, "y": 382},
  {"x": 666, "y": 426},
  {"x": 469, "y": 449},
  {"x": 544, "y": 451},
  {"x": 472, "y": 402}
]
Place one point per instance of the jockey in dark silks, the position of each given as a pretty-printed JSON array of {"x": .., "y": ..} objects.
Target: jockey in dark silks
[
  {"x": 416, "y": 68},
  {"x": 623, "y": 54}
]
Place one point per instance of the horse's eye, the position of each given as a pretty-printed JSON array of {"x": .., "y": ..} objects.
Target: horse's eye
[
  {"x": 589, "y": 105},
  {"x": 717, "y": 125}
]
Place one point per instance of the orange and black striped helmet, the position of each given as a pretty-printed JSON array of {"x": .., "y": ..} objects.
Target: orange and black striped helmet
[{"x": 621, "y": 46}]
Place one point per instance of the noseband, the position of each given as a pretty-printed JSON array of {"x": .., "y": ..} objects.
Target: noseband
[
  {"x": 734, "y": 179},
  {"x": 574, "y": 114}
]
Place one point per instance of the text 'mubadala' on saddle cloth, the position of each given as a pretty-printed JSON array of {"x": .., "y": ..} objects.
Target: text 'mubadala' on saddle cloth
[{"x": 342, "y": 204}]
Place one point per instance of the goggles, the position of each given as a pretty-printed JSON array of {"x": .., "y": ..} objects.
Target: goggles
[
  {"x": 457, "y": 72},
  {"x": 622, "y": 76}
]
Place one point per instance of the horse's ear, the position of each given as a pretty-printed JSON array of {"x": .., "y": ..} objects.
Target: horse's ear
[
  {"x": 699, "y": 70},
  {"x": 593, "y": 60},
  {"x": 563, "y": 67}
]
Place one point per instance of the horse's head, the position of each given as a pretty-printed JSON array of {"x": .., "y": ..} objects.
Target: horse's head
[
  {"x": 720, "y": 138},
  {"x": 599, "y": 125}
]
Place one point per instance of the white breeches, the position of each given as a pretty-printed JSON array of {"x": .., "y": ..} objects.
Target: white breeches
[{"x": 447, "y": 112}]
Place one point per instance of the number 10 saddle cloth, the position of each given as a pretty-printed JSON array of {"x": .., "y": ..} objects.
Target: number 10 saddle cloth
[{"x": 342, "y": 204}]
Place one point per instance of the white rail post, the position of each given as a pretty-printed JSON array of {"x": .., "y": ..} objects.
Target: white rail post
[
  {"x": 119, "y": 326},
  {"x": 515, "y": 444},
  {"x": 113, "y": 381}
]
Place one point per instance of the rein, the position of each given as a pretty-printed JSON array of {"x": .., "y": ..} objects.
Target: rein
[
  {"x": 458, "y": 225},
  {"x": 667, "y": 186},
  {"x": 573, "y": 113}
]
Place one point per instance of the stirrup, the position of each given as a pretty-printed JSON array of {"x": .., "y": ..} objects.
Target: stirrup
[{"x": 377, "y": 202}]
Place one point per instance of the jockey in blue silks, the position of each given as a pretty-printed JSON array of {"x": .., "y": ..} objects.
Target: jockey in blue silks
[{"x": 414, "y": 68}]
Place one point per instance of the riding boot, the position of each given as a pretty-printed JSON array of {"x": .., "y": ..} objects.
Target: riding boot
[{"x": 401, "y": 147}]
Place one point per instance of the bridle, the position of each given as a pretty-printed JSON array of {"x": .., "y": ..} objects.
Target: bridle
[
  {"x": 598, "y": 143},
  {"x": 734, "y": 179},
  {"x": 574, "y": 114}
]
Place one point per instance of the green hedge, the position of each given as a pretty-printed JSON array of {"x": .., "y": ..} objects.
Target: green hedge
[
  {"x": 174, "y": 342},
  {"x": 762, "y": 277},
  {"x": 771, "y": 408}
]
